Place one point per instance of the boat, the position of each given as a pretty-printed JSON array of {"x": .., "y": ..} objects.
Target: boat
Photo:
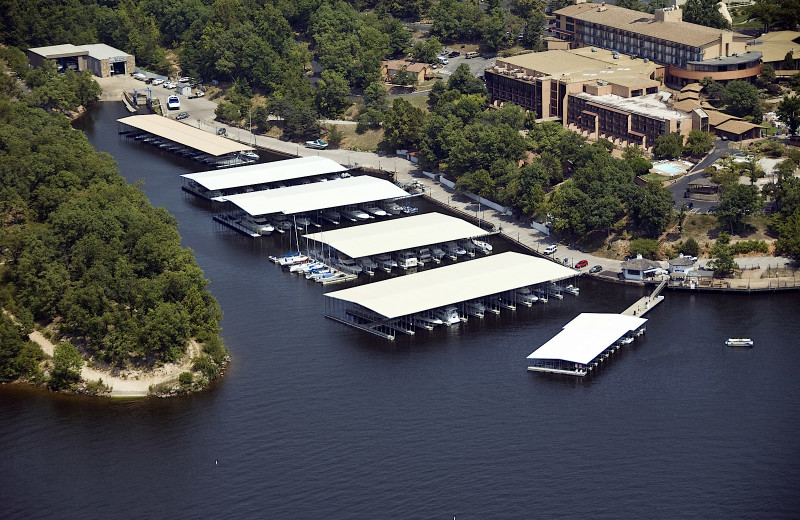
[
  {"x": 385, "y": 262},
  {"x": 469, "y": 247},
  {"x": 739, "y": 342},
  {"x": 454, "y": 250},
  {"x": 571, "y": 289},
  {"x": 409, "y": 210},
  {"x": 281, "y": 224},
  {"x": 276, "y": 259},
  {"x": 407, "y": 259},
  {"x": 297, "y": 258},
  {"x": 302, "y": 222},
  {"x": 437, "y": 254},
  {"x": 476, "y": 309},
  {"x": 349, "y": 265},
  {"x": 259, "y": 224},
  {"x": 424, "y": 256},
  {"x": 525, "y": 296},
  {"x": 356, "y": 214},
  {"x": 483, "y": 247},
  {"x": 368, "y": 265},
  {"x": 332, "y": 216},
  {"x": 374, "y": 210},
  {"x": 315, "y": 274},
  {"x": 392, "y": 208},
  {"x": 626, "y": 340},
  {"x": 303, "y": 267},
  {"x": 427, "y": 320},
  {"x": 448, "y": 315},
  {"x": 317, "y": 144},
  {"x": 249, "y": 154}
]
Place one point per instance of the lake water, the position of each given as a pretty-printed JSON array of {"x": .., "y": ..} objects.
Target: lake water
[{"x": 316, "y": 420}]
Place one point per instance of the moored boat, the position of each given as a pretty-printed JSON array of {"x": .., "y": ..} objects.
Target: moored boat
[{"x": 739, "y": 342}]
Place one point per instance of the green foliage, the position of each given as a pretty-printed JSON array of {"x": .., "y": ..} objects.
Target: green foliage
[
  {"x": 704, "y": 12},
  {"x": 228, "y": 112},
  {"x": 300, "y": 121},
  {"x": 668, "y": 146},
  {"x": 743, "y": 100},
  {"x": 788, "y": 242},
  {"x": 186, "y": 379},
  {"x": 457, "y": 21},
  {"x": 690, "y": 247},
  {"x": 335, "y": 136},
  {"x": 698, "y": 143},
  {"x": 402, "y": 125},
  {"x": 19, "y": 358},
  {"x": 426, "y": 51},
  {"x": 206, "y": 365},
  {"x": 332, "y": 94},
  {"x": 67, "y": 363},
  {"x": 789, "y": 112},
  {"x": 647, "y": 247},
  {"x": 749, "y": 246},
  {"x": 722, "y": 263},
  {"x": 736, "y": 203},
  {"x": 651, "y": 208}
]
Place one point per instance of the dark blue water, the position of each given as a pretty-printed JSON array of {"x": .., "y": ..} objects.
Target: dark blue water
[{"x": 317, "y": 420}]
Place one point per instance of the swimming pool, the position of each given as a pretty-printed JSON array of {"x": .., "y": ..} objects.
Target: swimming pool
[{"x": 669, "y": 168}]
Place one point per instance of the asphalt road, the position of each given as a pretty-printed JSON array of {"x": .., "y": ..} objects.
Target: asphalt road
[{"x": 679, "y": 188}]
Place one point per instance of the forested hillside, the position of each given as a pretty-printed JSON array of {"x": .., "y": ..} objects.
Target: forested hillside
[{"x": 83, "y": 250}]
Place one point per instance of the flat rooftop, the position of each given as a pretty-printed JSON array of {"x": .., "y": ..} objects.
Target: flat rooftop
[
  {"x": 59, "y": 51},
  {"x": 394, "y": 235},
  {"x": 406, "y": 295},
  {"x": 585, "y": 337},
  {"x": 648, "y": 105},
  {"x": 184, "y": 134},
  {"x": 264, "y": 173},
  {"x": 315, "y": 196},
  {"x": 775, "y": 44},
  {"x": 583, "y": 65},
  {"x": 101, "y": 51}
]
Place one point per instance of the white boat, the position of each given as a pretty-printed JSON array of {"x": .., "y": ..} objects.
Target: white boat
[
  {"x": 368, "y": 265},
  {"x": 542, "y": 294},
  {"x": 525, "y": 296},
  {"x": 281, "y": 224},
  {"x": 426, "y": 320},
  {"x": 571, "y": 289},
  {"x": 374, "y": 210},
  {"x": 454, "y": 250},
  {"x": 626, "y": 340},
  {"x": 739, "y": 342},
  {"x": 317, "y": 144},
  {"x": 259, "y": 224},
  {"x": 448, "y": 315},
  {"x": 304, "y": 267},
  {"x": 349, "y": 265},
  {"x": 250, "y": 154},
  {"x": 332, "y": 216},
  {"x": 409, "y": 210},
  {"x": 468, "y": 246},
  {"x": 302, "y": 222},
  {"x": 438, "y": 253},
  {"x": 476, "y": 309},
  {"x": 297, "y": 258},
  {"x": 424, "y": 256},
  {"x": 318, "y": 273},
  {"x": 356, "y": 214},
  {"x": 392, "y": 208},
  {"x": 385, "y": 262},
  {"x": 407, "y": 259},
  {"x": 483, "y": 247}
]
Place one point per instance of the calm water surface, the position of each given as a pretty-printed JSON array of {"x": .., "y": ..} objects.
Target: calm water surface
[{"x": 317, "y": 420}]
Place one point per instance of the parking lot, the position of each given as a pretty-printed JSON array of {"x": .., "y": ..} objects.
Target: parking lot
[{"x": 476, "y": 65}]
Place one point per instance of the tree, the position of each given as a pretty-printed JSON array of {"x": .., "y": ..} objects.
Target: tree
[
  {"x": 736, "y": 203},
  {"x": 788, "y": 61},
  {"x": 647, "y": 247},
  {"x": 19, "y": 358},
  {"x": 669, "y": 146},
  {"x": 714, "y": 89},
  {"x": 227, "y": 112},
  {"x": 743, "y": 99},
  {"x": 426, "y": 51},
  {"x": 789, "y": 112},
  {"x": 635, "y": 5},
  {"x": 652, "y": 210},
  {"x": 335, "y": 136},
  {"x": 722, "y": 263},
  {"x": 690, "y": 247},
  {"x": 332, "y": 94},
  {"x": 402, "y": 125},
  {"x": 767, "y": 76},
  {"x": 404, "y": 78},
  {"x": 67, "y": 363},
  {"x": 376, "y": 96},
  {"x": 698, "y": 143},
  {"x": 788, "y": 242},
  {"x": 704, "y": 12}
]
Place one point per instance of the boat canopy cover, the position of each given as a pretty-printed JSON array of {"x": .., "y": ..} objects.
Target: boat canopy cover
[
  {"x": 396, "y": 234},
  {"x": 587, "y": 336},
  {"x": 263, "y": 173},
  {"x": 315, "y": 196},
  {"x": 409, "y": 294},
  {"x": 184, "y": 134}
]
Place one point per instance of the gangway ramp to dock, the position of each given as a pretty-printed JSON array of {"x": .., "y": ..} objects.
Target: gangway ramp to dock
[
  {"x": 646, "y": 303},
  {"x": 240, "y": 177},
  {"x": 315, "y": 196},
  {"x": 585, "y": 342},
  {"x": 397, "y": 234},
  {"x": 399, "y": 299}
]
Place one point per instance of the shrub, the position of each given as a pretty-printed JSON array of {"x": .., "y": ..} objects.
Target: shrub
[
  {"x": 186, "y": 378},
  {"x": 647, "y": 247},
  {"x": 205, "y": 365},
  {"x": 690, "y": 247},
  {"x": 749, "y": 246}
]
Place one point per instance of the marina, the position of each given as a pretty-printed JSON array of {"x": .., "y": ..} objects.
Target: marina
[
  {"x": 190, "y": 142},
  {"x": 469, "y": 288}
]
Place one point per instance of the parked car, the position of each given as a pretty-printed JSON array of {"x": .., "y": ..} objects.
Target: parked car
[
  {"x": 596, "y": 269},
  {"x": 549, "y": 250},
  {"x": 222, "y": 131},
  {"x": 157, "y": 81},
  {"x": 581, "y": 263},
  {"x": 182, "y": 115},
  {"x": 173, "y": 103}
]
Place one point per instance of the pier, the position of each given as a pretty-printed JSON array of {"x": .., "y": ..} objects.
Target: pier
[{"x": 646, "y": 303}]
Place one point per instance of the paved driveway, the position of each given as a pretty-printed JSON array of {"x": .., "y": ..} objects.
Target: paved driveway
[{"x": 678, "y": 189}]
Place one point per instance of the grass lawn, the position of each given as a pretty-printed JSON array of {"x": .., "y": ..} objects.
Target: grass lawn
[
  {"x": 366, "y": 142},
  {"x": 655, "y": 177}
]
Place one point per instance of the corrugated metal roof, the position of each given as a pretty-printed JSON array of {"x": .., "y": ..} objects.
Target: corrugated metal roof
[
  {"x": 57, "y": 51},
  {"x": 315, "y": 196},
  {"x": 586, "y": 336},
  {"x": 184, "y": 134},
  {"x": 396, "y": 234},
  {"x": 264, "y": 173},
  {"x": 101, "y": 51},
  {"x": 455, "y": 283}
]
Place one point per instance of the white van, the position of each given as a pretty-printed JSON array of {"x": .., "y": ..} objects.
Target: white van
[
  {"x": 173, "y": 103},
  {"x": 470, "y": 55},
  {"x": 443, "y": 60}
]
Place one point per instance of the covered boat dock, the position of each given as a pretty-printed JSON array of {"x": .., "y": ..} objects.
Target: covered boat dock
[
  {"x": 585, "y": 342},
  {"x": 257, "y": 177},
  {"x": 403, "y": 304},
  {"x": 185, "y": 140}
]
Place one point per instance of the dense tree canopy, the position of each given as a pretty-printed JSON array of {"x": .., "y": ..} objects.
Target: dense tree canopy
[{"x": 704, "y": 12}]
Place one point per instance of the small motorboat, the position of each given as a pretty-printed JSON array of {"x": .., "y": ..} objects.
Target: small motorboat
[
  {"x": 332, "y": 216},
  {"x": 571, "y": 289},
  {"x": 292, "y": 260},
  {"x": 483, "y": 247},
  {"x": 448, "y": 315},
  {"x": 392, "y": 208},
  {"x": 739, "y": 342},
  {"x": 249, "y": 154},
  {"x": 317, "y": 144},
  {"x": 409, "y": 210}
]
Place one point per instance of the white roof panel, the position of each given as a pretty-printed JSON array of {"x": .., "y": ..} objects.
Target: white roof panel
[
  {"x": 59, "y": 50},
  {"x": 316, "y": 195},
  {"x": 587, "y": 336},
  {"x": 397, "y": 234},
  {"x": 455, "y": 283},
  {"x": 184, "y": 134},
  {"x": 265, "y": 172},
  {"x": 101, "y": 51}
]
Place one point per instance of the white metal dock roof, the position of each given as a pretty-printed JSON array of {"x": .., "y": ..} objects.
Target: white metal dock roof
[
  {"x": 587, "y": 336},
  {"x": 315, "y": 196},
  {"x": 397, "y": 234},
  {"x": 265, "y": 172},
  {"x": 184, "y": 134},
  {"x": 455, "y": 283}
]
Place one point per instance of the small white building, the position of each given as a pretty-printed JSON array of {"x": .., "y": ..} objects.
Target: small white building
[
  {"x": 639, "y": 268},
  {"x": 183, "y": 89},
  {"x": 681, "y": 264}
]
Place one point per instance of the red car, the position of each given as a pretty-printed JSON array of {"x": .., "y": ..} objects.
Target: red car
[{"x": 581, "y": 263}]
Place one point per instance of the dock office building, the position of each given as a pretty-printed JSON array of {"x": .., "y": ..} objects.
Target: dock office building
[{"x": 100, "y": 59}]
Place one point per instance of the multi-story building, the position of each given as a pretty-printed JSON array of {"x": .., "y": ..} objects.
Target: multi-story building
[{"x": 689, "y": 51}]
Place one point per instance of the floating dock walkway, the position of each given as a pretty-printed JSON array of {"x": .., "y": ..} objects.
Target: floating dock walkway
[{"x": 646, "y": 303}]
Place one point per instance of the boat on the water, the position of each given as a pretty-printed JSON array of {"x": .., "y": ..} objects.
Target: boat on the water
[
  {"x": 739, "y": 342},
  {"x": 392, "y": 208},
  {"x": 424, "y": 256},
  {"x": 525, "y": 296},
  {"x": 374, "y": 210},
  {"x": 354, "y": 215},
  {"x": 292, "y": 260},
  {"x": 483, "y": 247},
  {"x": 571, "y": 289},
  {"x": 476, "y": 309},
  {"x": 249, "y": 154},
  {"x": 448, "y": 315},
  {"x": 332, "y": 216},
  {"x": 407, "y": 259},
  {"x": 385, "y": 262}
]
